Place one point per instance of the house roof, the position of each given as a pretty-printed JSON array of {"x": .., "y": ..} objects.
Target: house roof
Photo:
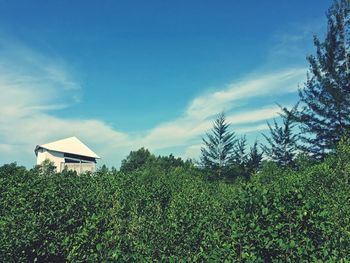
[{"x": 70, "y": 145}]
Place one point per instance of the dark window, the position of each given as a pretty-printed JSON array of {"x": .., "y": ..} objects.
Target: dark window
[
  {"x": 66, "y": 160},
  {"x": 80, "y": 157}
]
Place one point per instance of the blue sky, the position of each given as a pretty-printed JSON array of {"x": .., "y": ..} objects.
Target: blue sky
[{"x": 125, "y": 74}]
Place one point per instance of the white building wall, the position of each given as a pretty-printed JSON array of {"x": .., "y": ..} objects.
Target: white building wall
[
  {"x": 56, "y": 157},
  {"x": 81, "y": 167}
]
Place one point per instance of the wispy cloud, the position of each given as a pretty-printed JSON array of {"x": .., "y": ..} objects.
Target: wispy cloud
[
  {"x": 33, "y": 85},
  {"x": 198, "y": 117},
  {"x": 254, "y": 86},
  {"x": 293, "y": 42}
]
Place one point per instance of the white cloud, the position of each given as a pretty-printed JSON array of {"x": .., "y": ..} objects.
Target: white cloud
[
  {"x": 182, "y": 130},
  {"x": 198, "y": 117},
  {"x": 8, "y": 148},
  {"x": 293, "y": 42},
  {"x": 33, "y": 85},
  {"x": 253, "y": 86},
  {"x": 254, "y": 116},
  {"x": 255, "y": 128},
  {"x": 192, "y": 151}
]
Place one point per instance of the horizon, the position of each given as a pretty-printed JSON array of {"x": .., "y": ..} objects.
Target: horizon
[{"x": 121, "y": 76}]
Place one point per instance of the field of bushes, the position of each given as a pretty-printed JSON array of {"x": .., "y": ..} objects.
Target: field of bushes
[{"x": 175, "y": 214}]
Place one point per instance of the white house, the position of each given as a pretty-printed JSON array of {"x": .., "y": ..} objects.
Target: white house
[{"x": 70, "y": 153}]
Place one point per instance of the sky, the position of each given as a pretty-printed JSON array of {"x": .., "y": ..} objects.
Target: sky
[{"x": 121, "y": 75}]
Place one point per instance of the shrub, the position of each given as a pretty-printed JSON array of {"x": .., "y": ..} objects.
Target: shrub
[{"x": 158, "y": 213}]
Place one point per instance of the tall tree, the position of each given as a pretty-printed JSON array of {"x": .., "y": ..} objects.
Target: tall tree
[
  {"x": 325, "y": 114},
  {"x": 218, "y": 147},
  {"x": 239, "y": 156},
  {"x": 239, "y": 159},
  {"x": 282, "y": 143},
  {"x": 254, "y": 159}
]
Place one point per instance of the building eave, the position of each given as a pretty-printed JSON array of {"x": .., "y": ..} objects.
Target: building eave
[{"x": 38, "y": 147}]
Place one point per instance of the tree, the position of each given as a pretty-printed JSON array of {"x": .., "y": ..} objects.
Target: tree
[
  {"x": 325, "y": 114},
  {"x": 239, "y": 155},
  {"x": 136, "y": 160},
  {"x": 218, "y": 147},
  {"x": 169, "y": 162},
  {"x": 11, "y": 169},
  {"x": 46, "y": 168},
  {"x": 239, "y": 159},
  {"x": 343, "y": 156},
  {"x": 103, "y": 169},
  {"x": 282, "y": 146},
  {"x": 254, "y": 159}
]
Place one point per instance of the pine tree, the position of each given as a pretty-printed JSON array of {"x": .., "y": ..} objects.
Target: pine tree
[
  {"x": 282, "y": 142},
  {"x": 239, "y": 156},
  {"x": 254, "y": 159},
  {"x": 239, "y": 159},
  {"x": 325, "y": 115},
  {"x": 218, "y": 147}
]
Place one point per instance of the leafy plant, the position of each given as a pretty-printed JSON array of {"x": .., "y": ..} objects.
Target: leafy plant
[{"x": 157, "y": 214}]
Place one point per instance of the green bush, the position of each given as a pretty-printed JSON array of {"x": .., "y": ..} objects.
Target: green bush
[{"x": 161, "y": 214}]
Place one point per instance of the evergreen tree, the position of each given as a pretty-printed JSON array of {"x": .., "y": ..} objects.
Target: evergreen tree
[
  {"x": 282, "y": 146},
  {"x": 218, "y": 147},
  {"x": 254, "y": 159},
  {"x": 240, "y": 156},
  {"x": 325, "y": 115}
]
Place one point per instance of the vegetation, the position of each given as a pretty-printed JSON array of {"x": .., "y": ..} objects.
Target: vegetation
[
  {"x": 218, "y": 148},
  {"x": 225, "y": 157},
  {"x": 325, "y": 114},
  {"x": 142, "y": 158},
  {"x": 234, "y": 207},
  {"x": 175, "y": 215},
  {"x": 254, "y": 159},
  {"x": 282, "y": 143}
]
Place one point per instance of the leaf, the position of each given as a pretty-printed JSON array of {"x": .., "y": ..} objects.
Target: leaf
[
  {"x": 265, "y": 211},
  {"x": 99, "y": 247}
]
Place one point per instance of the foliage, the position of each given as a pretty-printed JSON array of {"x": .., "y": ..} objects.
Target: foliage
[
  {"x": 343, "y": 158},
  {"x": 239, "y": 156},
  {"x": 135, "y": 160},
  {"x": 143, "y": 158},
  {"x": 165, "y": 209},
  {"x": 46, "y": 168},
  {"x": 239, "y": 159},
  {"x": 157, "y": 214},
  {"x": 254, "y": 159},
  {"x": 218, "y": 147},
  {"x": 282, "y": 146},
  {"x": 325, "y": 115},
  {"x": 167, "y": 163},
  {"x": 244, "y": 164}
]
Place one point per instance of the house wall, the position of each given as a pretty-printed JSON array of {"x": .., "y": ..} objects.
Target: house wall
[
  {"x": 81, "y": 167},
  {"x": 56, "y": 157}
]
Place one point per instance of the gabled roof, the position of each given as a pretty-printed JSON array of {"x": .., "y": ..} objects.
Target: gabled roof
[{"x": 70, "y": 145}]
